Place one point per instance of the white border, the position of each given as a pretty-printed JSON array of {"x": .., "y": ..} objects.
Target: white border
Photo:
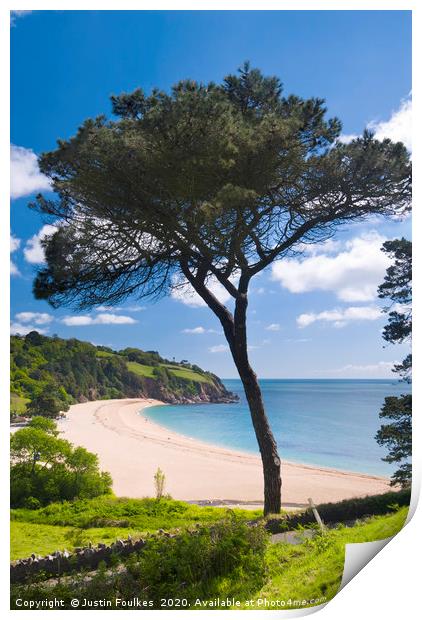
[{"x": 388, "y": 587}]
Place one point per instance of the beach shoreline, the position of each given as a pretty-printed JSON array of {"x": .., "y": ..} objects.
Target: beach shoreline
[{"x": 131, "y": 447}]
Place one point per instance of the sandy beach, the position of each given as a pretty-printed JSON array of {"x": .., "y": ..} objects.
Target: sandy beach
[{"x": 131, "y": 448}]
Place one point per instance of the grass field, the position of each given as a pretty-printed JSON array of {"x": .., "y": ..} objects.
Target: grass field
[
  {"x": 71, "y": 524},
  {"x": 314, "y": 569},
  {"x": 141, "y": 369},
  {"x": 27, "y": 538},
  {"x": 186, "y": 373},
  {"x": 298, "y": 575},
  {"x": 18, "y": 404},
  {"x": 104, "y": 354}
]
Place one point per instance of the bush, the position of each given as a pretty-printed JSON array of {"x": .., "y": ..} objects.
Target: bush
[
  {"x": 46, "y": 468},
  {"x": 32, "y": 503},
  {"x": 226, "y": 559},
  {"x": 346, "y": 510}
]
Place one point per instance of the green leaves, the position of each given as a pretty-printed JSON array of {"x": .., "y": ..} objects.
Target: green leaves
[
  {"x": 46, "y": 468},
  {"x": 207, "y": 178},
  {"x": 396, "y": 435}
]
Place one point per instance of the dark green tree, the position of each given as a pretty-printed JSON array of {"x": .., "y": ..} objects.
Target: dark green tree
[
  {"x": 397, "y": 287},
  {"x": 45, "y": 468},
  {"x": 50, "y": 403},
  {"x": 209, "y": 182}
]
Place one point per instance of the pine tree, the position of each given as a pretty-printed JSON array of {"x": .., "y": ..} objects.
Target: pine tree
[
  {"x": 397, "y": 286},
  {"x": 207, "y": 183}
]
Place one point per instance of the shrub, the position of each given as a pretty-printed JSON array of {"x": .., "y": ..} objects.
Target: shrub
[
  {"x": 159, "y": 482},
  {"x": 346, "y": 510},
  {"x": 46, "y": 468},
  {"x": 227, "y": 559}
]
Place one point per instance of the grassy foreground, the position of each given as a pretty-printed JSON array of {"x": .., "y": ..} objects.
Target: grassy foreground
[
  {"x": 67, "y": 525},
  {"x": 314, "y": 569},
  {"x": 230, "y": 566}
]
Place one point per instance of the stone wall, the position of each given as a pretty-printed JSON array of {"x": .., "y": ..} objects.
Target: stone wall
[{"x": 62, "y": 562}]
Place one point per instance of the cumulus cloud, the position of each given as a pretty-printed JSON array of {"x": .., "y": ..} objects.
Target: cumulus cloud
[
  {"x": 219, "y": 348},
  {"x": 14, "y": 271},
  {"x": 353, "y": 274},
  {"x": 398, "y": 128},
  {"x": 135, "y": 308},
  {"x": 329, "y": 246},
  {"x": 26, "y": 322},
  {"x": 346, "y": 138},
  {"x": 200, "y": 330},
  {"x": 99, "y": 319},
  {"x": 33, "y": 251},
  {"x": 107, "y": 308},
  {"x": 186, "y": 294},
  {"x": 194, "y": 330},
  {"x": 39, "y": 318},
  {"x": 341, "y": 317},
  {"x": 14, "y": 245},
  {"x": 21, "y": 330},
  {"x": 25, "y": 176},
  {"x": 273, "y": 327}
]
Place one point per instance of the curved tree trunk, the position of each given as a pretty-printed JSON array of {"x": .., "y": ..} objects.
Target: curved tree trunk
[
  {"x": 266, "y": 442},
  {"x": 234, "y": 328}
]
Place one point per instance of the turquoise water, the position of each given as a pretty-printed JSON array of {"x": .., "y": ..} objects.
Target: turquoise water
[{"x": 331, "y": 423}]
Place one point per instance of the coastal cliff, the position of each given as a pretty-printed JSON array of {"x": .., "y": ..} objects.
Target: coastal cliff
[{"x": 73, "y": 371}]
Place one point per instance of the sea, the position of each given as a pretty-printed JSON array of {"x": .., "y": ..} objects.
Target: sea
[{"x": 323, "y": 422}]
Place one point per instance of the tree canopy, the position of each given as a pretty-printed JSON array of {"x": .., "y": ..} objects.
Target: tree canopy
[
  {"x": 207, "y": 181},
  {"x": 396, "y": 434},
  {"x": 45, "y": 468}
]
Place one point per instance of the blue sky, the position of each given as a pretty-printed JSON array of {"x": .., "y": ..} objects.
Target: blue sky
[{"x": 317, "y": 317}]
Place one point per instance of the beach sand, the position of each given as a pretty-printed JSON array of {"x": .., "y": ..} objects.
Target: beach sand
[{"x": 131, "y": 448}]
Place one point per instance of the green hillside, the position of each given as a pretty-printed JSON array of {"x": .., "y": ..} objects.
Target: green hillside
[{"x": 75, "y": 371}]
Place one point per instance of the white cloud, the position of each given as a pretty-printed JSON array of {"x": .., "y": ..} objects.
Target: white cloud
[
  {"x": 329, "y": 246},
  {"x": 187, "y": 295},
  {"x": 273, "y": 327},
  {"x": 22, "y": 330},
  {"x": 194, "y": 330},
  {"x": 25, "y": 176},
  {"x": 341, "y": 317},
  {"x": 398, "y": 128},
  {"x": 107, "y": 309},
  {"x": 379, "y": 370},
  {"x": 219, "y": 348},
  {"x": 135, "y": 308},
  {"x": 77, "y": 320},
  {"x": 353, "y": 274},
  {"x": 33, "y": 251},
  {"x": 346, "y": 138},
  {"x": 14, "y": 271},
  {"x": 39, "y": 318},
  {"x": 14, "y": 245},
  {"x": 99, "y": 319}
]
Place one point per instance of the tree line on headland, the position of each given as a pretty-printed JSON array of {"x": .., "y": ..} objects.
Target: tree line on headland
[{"x": 50, "y": 373}]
